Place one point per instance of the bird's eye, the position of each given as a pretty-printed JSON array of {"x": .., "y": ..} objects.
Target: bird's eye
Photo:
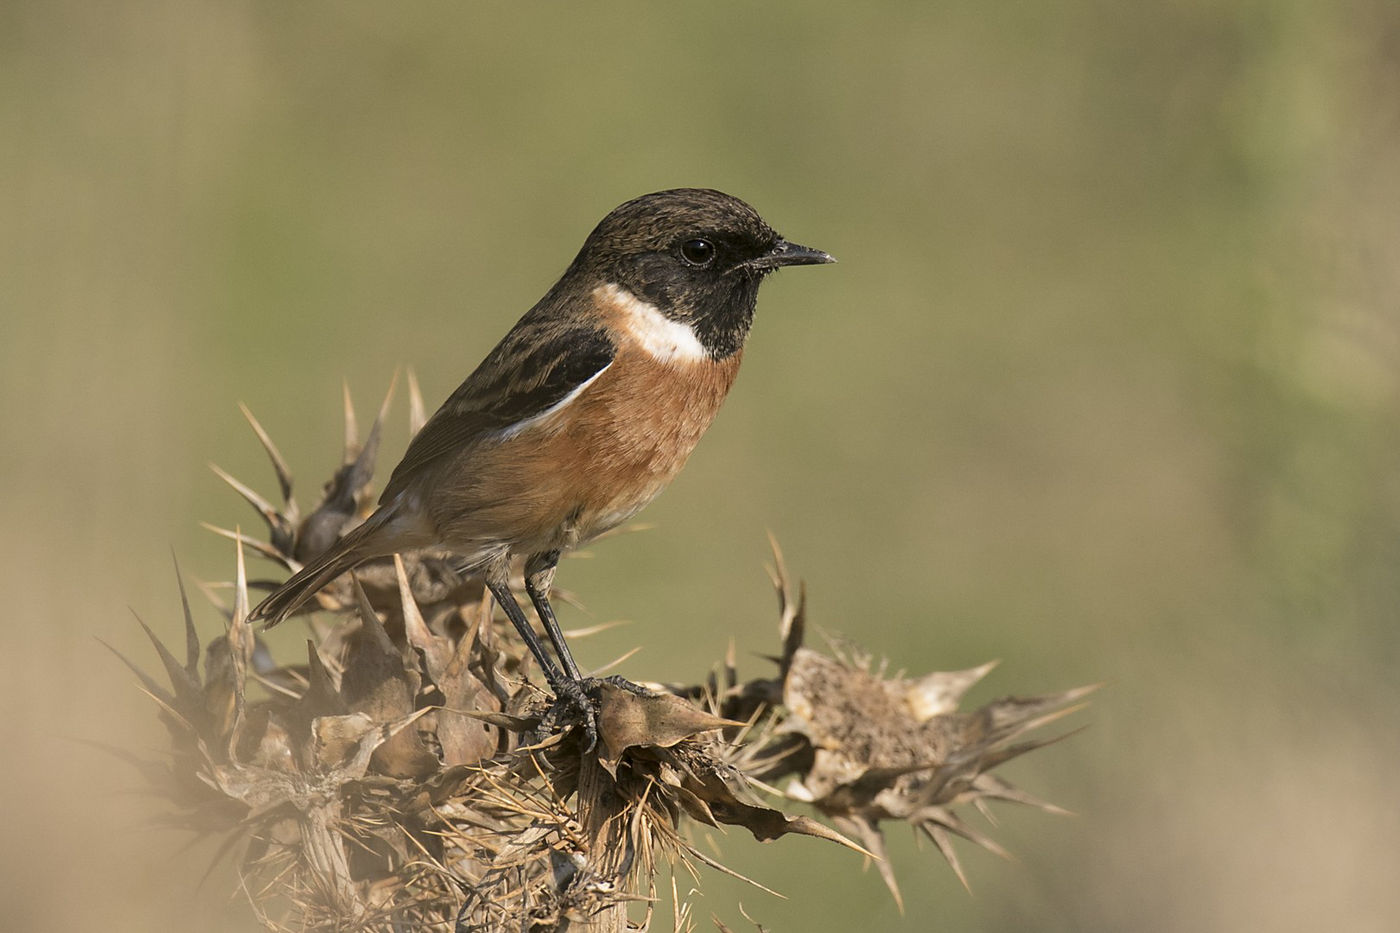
[{"x": 698, "y": 252}]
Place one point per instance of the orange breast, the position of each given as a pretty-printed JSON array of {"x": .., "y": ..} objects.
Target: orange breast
[{"x": 589, "y": 466}]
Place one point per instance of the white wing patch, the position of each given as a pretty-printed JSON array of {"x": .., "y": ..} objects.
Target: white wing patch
[
  {"x": 525, "y": 424},
  {"x": 664, "y": 339}
]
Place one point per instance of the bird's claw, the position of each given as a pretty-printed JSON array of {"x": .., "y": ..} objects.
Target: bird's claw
[
  {"x": 576, "y": 704},
  {"x": 622, "y": 683},
  {"x": 573, "y": 706}
]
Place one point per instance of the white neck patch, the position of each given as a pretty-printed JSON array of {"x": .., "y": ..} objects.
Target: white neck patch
[{"x": 664, "y": 339}]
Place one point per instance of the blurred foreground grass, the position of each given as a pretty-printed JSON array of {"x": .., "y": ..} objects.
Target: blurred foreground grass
[{"x": 1107, "y": 385}]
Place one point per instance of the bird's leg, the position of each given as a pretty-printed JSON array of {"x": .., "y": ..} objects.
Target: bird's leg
[
  {"x": 569, "y": 690},
  {"x": 570, "y": 694},
  {"x": 539, "y": 578},
  {"x": 579, "y": 695},
  {"x": 573, "y": 700},
  {"x": 501, "y": 590}
]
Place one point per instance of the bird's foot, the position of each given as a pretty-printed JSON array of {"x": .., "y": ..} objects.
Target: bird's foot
[
  {"x": 572, "y": 706},
  {"x": 622, "y": 683},
  {"x": 577, "y": 702}
]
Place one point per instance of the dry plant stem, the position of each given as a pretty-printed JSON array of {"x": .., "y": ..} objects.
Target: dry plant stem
[
  {"x": 324, "y": 850},
  {"x": 604, "y": 818}
]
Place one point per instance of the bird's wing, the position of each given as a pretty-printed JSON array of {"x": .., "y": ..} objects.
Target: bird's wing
[{"x": 536, "y": 367}]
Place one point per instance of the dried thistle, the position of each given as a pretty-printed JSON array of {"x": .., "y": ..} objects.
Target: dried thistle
[{"x": 400, "y": 777}]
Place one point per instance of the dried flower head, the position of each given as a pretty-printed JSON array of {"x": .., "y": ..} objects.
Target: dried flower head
[{"x": 399, "y": 776}]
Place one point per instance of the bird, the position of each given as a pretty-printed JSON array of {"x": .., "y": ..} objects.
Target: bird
[{"x": 580, "y": 416}]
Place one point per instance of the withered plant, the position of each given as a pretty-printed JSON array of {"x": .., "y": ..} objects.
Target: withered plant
[{"x": 398, "y": 776}]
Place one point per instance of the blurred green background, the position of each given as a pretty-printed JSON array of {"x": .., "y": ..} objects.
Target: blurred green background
[{"x": 1106, "y": 385}]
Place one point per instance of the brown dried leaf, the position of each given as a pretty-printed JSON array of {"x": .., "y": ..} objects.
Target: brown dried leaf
[
  {"x": 276, "y": 523},
  {"x": 335, "y": 738},
  {"x": 378, "y": 682},
  {"x": 626, "y": 720},
  {"x": 437, "y": 650},
  {"x": 417, "y": 416},
  {"x": 504, "y": 720},
  {"x": 463, "y": 740},
  {"x": 874, "y": 838},
  {"x": 940, "y": 692},
  {"x": 320, "y": 700},
  {"x": 766, "y": 823},
  {"x": 262, "y": 547},
  {"x": 1009, "y": 717},
  {"x": 792, "y": 616},
  {"x": 192, "y": 649},
  {"x": 279, "y": 465},
  {"x": 241, "y": 643},
  {"x": 342, "y": 499}
]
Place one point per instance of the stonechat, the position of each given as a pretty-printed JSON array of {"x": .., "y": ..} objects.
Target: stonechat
[{"x": 582, "y": 414}]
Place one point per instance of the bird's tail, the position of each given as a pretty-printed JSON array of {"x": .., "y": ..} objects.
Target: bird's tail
[{"x": 364, "y": 543}]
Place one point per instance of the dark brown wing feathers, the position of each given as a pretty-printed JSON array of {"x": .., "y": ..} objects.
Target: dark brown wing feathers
[{"x": 534, "y": 367}]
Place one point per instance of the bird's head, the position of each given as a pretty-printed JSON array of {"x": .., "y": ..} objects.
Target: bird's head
[{"x": 697, "y": 255}]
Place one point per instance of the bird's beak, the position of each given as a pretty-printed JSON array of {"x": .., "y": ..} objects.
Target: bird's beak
[{"x": 789, "y": 254}]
